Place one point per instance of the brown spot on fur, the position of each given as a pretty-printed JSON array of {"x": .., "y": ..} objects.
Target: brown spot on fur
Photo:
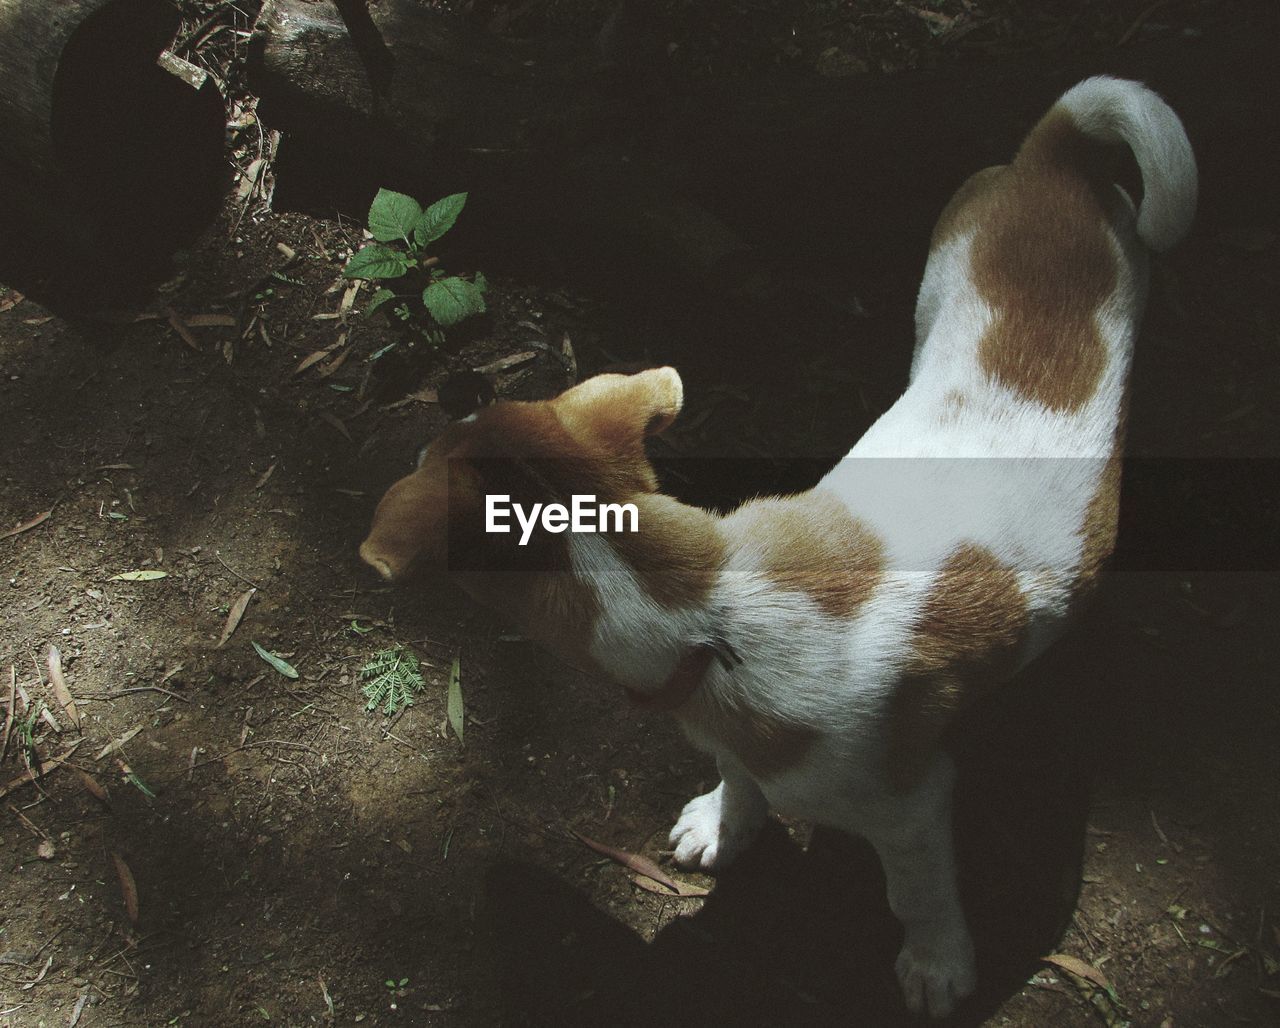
[
  {"x": 677, "y": 552},
  {"x": 961, "y": 213},
  {"x": 965, "y": 641},
  {"x": 1101, "y": 518},
  {"x": 811, "y": 544},
  {"x": 1041, "y": 258},
  {"x": 766, "y": 746}
]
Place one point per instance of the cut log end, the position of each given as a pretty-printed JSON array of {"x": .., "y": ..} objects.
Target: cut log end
[{"x": 125, "y": 155}]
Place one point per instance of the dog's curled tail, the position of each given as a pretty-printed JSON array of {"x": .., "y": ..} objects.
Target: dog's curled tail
[{"x": 1109, "y": 111}]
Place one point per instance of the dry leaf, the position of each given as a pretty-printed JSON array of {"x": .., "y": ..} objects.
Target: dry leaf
[
  {"x": 45, "y": 768},
  {"x": 78, "y": 1009},
  {"x": 40, "y": 977},
  {"x": 11, "y": 301},
  {"x": 114, "y": 745},
  {"x": 316, "y": 356},
  {"x": 26, "y": 526},
  {"x": 1078, "y": 967},
  {"x": 211, "y": 321},
  {"x": 506, "y": 363},
  {"x": 180, "y": 326},
  {"x": 683, "y": 888},
  {"x": 237, "y": 612},
  {"x": 46, "y": 850},
  {"x": 138, "y": 576},
  {"x": 337, "y": 362},
  {"x": 94, "y": 788},
  {"x": 128, "y": 888},
  {"x": 262, "y": 479},
  {"x": 336, "y": 422},
  {"x": 60, "y": 691},
  {"x": 640, "y": 865}
]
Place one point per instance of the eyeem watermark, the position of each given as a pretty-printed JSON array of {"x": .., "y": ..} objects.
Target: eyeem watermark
[{"x": 583, "y": 514}]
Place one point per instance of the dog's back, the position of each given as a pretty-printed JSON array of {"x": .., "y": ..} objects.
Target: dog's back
[{"x": 1009, "y": 436}]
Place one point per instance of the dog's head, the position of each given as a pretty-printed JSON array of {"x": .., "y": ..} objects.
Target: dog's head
[{"x": 588, "y": 440}]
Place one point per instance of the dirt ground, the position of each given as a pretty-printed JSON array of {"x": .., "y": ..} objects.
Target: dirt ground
[{"x": 224, "y": 845}]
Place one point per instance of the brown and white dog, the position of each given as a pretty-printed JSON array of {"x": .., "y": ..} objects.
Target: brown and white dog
[{"x": 819, "y": 644}]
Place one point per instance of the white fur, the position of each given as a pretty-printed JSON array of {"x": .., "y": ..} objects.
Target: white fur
[
  {"x": 1000, "y": 471},
  {"x": 1116, "y": 111}
]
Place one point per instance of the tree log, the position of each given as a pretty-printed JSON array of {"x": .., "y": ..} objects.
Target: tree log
[
  {"x": 110, "y": 157},
  {"x": 740, "y": 185},
  {"x": 399, "y": 96}
]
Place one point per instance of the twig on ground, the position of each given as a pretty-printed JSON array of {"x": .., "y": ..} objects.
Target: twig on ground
[
  {"x": 142, "y": 688},
  {"x": 8, "y": 719},
  {"x": 27, "y": 823},
  {"x": 234, "y": 571}
]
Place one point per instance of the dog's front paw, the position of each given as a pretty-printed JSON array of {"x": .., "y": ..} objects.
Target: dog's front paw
[
  {"x": 712, "y": 829},
  {"x": 936, "y": 972}
]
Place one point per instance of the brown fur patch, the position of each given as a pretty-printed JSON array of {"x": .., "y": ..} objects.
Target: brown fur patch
[
  {"x": 962, "y": 211},
  {"x": 677, "y": 553},
  {"x": 811, "y": 544},
  {"x": 1101, "y": 520},
  {"x": 966, "y": 640},
  {"x": 1042, "y": 260}
]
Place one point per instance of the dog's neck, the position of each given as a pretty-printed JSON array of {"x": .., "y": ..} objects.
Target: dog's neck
[{"x": 654, "y": 630}]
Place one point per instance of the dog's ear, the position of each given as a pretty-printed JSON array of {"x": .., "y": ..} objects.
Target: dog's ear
[
  {"x": 412, "y": 522},
  {"x": 622, "y": 407}
]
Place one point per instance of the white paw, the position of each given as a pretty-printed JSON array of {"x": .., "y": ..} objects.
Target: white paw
[
  {"x": 711, "y": 832},
  {"x": 938, "y": 973}
]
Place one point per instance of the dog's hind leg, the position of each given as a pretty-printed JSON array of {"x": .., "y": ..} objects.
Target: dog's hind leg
[
  {"x": 716, "y": 827},
  {"x": 913, "y": 836}
]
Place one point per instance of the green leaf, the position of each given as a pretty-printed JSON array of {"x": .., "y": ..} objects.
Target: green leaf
[
  {"x": 454, "y": 708},
  {"x": 139, "y": 784},
  {"x": 376, "y": 262},
  {"x": 283, "y": 666},
  {"x": 437, "y": 219},
  {"x": 379, "y": 298},
  {"x": 391, "y": 678},
  {"x": 452, "y": 299},
  {"x": 382, "y": 351},
  {"x": 138, "y": 576},
  {"x": 393, "y": 215}
]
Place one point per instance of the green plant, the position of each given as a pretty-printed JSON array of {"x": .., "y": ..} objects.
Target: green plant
[
  {"x": 424, "y": 299},
  {"x": 25, "y": 728},
  {"x": 391, "y": 678}
]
